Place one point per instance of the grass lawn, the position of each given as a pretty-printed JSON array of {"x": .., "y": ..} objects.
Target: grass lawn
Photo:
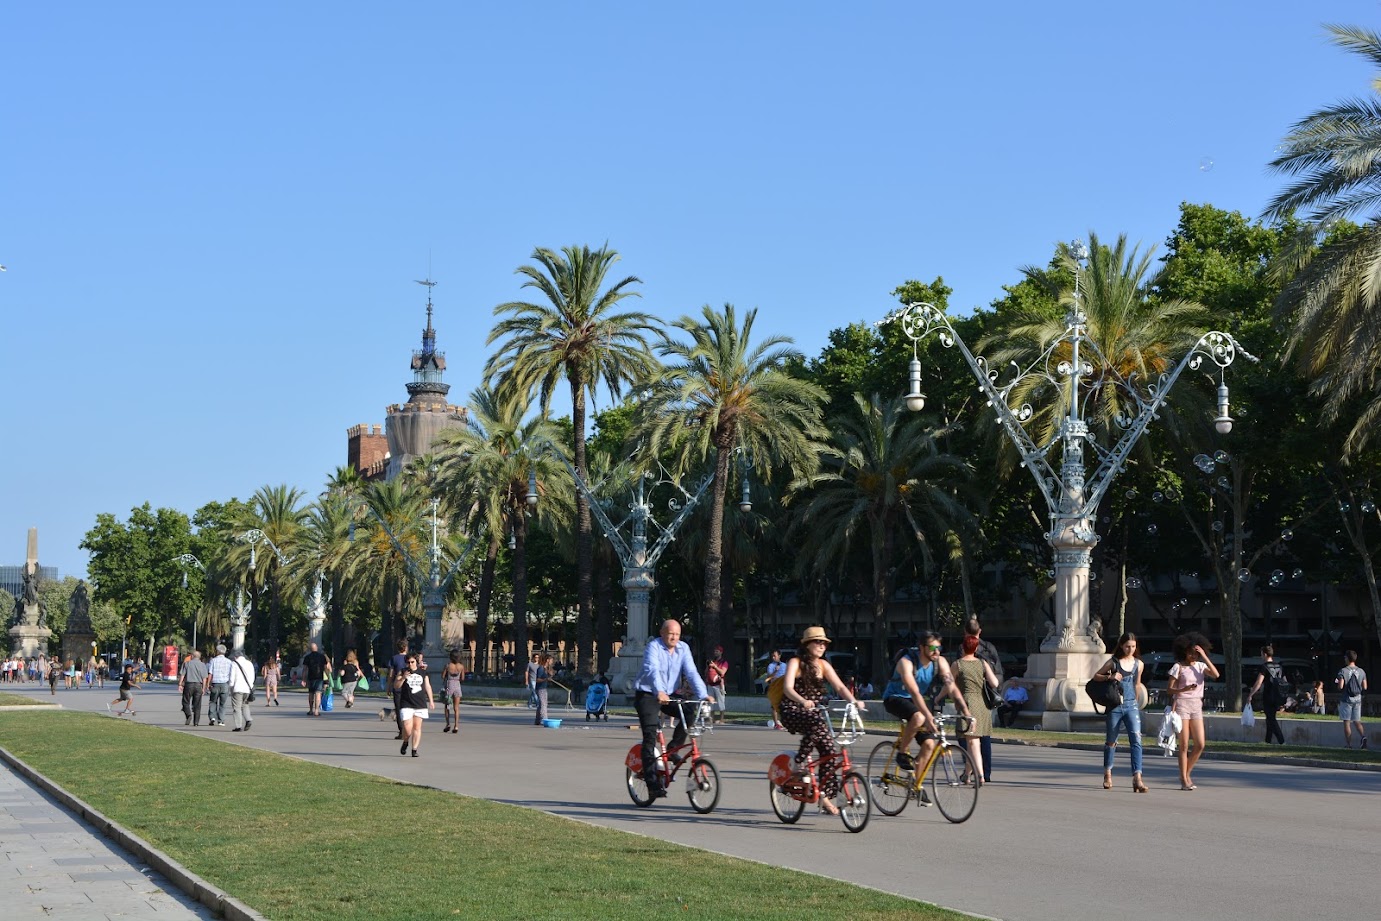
[
  {"x": 301, "y": 841},
  {"x": 19, "y": 700}
]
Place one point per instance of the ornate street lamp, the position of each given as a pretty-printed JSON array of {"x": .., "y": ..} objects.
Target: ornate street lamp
[
  {"x": 1073, "y": 647},
  {"x": 186, "y": 560}
]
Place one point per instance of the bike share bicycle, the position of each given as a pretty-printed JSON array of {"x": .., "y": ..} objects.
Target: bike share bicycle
[
  {"x": 702, "y": 782},
  {"x": 790, "y": 789},
  {"x": 953, "y": 776}
]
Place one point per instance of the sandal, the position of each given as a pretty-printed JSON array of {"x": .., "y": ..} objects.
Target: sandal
[
  {"x": 828, "y": 807},
  {"x": 1139, "y": 786},
  {"x": 1107, "y": 780}
]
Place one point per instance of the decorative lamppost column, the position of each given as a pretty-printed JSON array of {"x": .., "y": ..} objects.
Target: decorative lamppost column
[
  {"x": 316, "y": 610},
  {"x": 239, "y": 617},
  {"x": 188, "y": 559},
  {"x": 1073, "y": 646}
]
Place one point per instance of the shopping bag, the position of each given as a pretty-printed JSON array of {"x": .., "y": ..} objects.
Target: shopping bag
[
  {"x": 327, "y": 703},
  {"x": 335, "y": 682},
  {"x": 1248, "y": 716},
  {"x": 1168, "y": 739},
  {"x": 363, "y": 685}
]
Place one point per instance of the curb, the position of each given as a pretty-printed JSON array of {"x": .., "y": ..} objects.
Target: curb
[{"x": 217, "y": 900}]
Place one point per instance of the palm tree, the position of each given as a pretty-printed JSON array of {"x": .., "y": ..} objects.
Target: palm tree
[
  {"x": 882, "y": 475},
  {"x": 488, "y": 468},
  {"x": 719, "y": 393},
  {"x": 1333, "y": 293},
  {"x": 575, "y": 334},
  {"x": 376, "y": 561},
  {"x": 278, "y": 512},
  {"x": 1140, "y": 336},
  {"x": 328, "y": 533}
]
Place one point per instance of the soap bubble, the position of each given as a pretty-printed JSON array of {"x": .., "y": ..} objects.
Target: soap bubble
[
  {"x": 1133, "y": 583},
  {"x": 1368, "y": 506},
  {"x": 1151, "y": 528},
  {"x": 1344, "y": 507},
  {"x": 1287, "y": 534},
  {"x": 1244, "y": 575},
  {"x": 1132, "y": 493},
  {"x": 1277, "y": 577},
  {"x": 1205, "y": 164},
  {"x": 1297, "y": 574},
  {"x": 1221, "y": 456},
  {"x": 1223, "y": 483},
  {"x": 1157, "y": 496},
  {"x": 1204, "y": 463},
  {"x": 1218, "y": 527}
]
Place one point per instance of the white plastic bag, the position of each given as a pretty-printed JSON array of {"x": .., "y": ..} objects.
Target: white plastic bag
[
  {"x": 1169, "y": 732},
  {"x": 1248, "y": 716}
]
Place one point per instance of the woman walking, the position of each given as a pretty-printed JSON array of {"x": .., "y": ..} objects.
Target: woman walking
[
  {"x": 350, "y": 675},
  {"x": 803, "y": 711},
  {"x": 970, "y": 675},
  {"x": 273, "y": 670},
  {"x": 453, "y": 675},
  {"x": 541, "y": 678},
  {"x": 414, "y": 695},
  {"x": 1124, "y": 667},
  {"x": 1187, "y": 690}
]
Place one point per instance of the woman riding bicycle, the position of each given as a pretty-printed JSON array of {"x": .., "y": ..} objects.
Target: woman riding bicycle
[
  {"x": 917, "y": 672},
  {"x": 803, "y": 694}
]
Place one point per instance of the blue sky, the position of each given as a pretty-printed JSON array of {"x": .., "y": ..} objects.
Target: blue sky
[{"x": 213, "y": 214}]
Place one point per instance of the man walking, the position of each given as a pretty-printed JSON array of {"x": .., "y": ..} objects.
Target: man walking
[
  {"x": 316, "y": 668},
  {"x": 1272, "y": 679},
  {"x": 219, "y": 674},
  {"x": 191, "y": 682},
  {"x": 241, "y": 686},
  {"x": 986, "y": 652},
  {"x": 398, "y": 665},
  {"x": 1352, "y": 681},
  {"x": 666, "y": 663}
]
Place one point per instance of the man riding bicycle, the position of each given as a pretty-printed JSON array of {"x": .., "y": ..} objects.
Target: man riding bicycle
[
  {"x": 666, "y": 663},
  {"x": 918, "y": 670}
]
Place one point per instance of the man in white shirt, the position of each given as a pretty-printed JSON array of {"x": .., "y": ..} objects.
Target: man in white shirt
[{"x": 241, "y": 686}]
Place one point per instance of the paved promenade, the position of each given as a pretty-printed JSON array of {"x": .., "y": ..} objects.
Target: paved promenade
[{"x": 1046, "y": 843}]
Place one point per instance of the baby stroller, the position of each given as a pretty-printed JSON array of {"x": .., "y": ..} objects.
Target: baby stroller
[{"x": 597, "y": 701}]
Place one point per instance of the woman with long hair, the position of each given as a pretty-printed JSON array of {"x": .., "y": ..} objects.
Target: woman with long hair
[
  {"x": 1187, "y": 677},
  {"x": 453, "y": 676},
  {"x": 414, "y": 696},
  {"x": 1125, "y": 668},
  {"x": 350, "y": 675},
  {"x": 803, "y": 713}
]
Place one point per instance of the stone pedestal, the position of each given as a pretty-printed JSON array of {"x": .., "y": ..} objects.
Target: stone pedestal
[
  {"x": 28, "y": 641},
  {"x": 638, "y": 584},
  {"x": 1056, "y": 683}
]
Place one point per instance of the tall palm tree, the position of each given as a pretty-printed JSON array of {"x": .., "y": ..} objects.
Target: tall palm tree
[
  {"x": 884, "y": 484},
  {"x": 328, "y": 555},
  {"x": 718, "y": 392},
  {"x": 278, "y": 511},
  {"x": 573, "y": 333},
  {"x": 376, "y": 560},
  {"x": 1334, "y": 291},
  {"x": 488, "y": 468}
]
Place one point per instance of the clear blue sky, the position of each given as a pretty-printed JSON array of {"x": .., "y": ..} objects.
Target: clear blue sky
[{"x": 212, "y": 214}]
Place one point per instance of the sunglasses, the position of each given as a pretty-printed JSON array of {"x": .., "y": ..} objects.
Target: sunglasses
[{"x": 933, "y": 646}]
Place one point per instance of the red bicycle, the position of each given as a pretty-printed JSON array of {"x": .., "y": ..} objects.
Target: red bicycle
[
  {"x": 790, "y": 788},
  {"x": 702, "y": 782}
]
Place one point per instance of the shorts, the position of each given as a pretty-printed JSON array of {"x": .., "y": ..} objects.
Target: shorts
[
  {"x": 1189, "y": 708},
  {"x": 314, "y": 685},
  {"x": 903, "y": 708},
  {"x": 124, "y": 695},
  {"x": 1350, "y": 710},
  {"x": 408, "y": 713}
]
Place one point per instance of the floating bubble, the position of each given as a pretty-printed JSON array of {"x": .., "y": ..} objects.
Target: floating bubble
[
  {"x": 1368, "y": 507},
  {"x": 1244, "y": 575},
  {"x": 1205, "y": 164},
  {"x": 1218, "y": 527},
  {"x": 1220, "y": 456},
  {"x": 1134, "y": 583},
  {"x": 1157, "y": 496},
  {"x": 1287, "y": 534},
  {"x": 1223, "y": 483},
  {"x": 1204, "y": 463},
  {"x": 1132, "y": 493},
  {"x": 1184, "y": 602},
  {"x": 1105, "y": 519},
  {"x": 1344, "y": 507},
  {"x": 1277, "y": 577},
  {"x": 1151, "y": 529},
  {"x": 1297, "y": 574}
]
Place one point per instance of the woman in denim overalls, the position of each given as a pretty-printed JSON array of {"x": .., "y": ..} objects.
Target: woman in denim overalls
[{"x": 1126, "y": 668}]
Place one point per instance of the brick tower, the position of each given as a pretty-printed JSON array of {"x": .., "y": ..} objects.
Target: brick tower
[{"x": 411, "y": 427}]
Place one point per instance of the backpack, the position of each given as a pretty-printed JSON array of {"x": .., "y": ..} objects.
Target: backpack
[
  {"x": 1352, "y": 684},
  {"x": 1277, "y": 685},
  {"x": 776, "y": 688}
]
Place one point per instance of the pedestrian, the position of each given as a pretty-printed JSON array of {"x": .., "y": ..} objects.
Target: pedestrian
[
  {"x": 808, "y": 678},
  {"x": 454, "y": 676},
  {"x": 127, "y": 685},
  {"x": 1187, "y": 677},
  {"x": 776, "y": 668},
  {"x": 987, "y": 653},
  {"x": 191, "y": 683},
  {"x": 541, "y": 678},
  {"x": 273, "y": 673},
  {"x": 1316, "y": 699},
  {"x": 666, "y": 663},
  {"x": 54, "y": 671},
  {"x": 218, "y": 686},
  {"x": 241, "y": 689},
  {"x": 350, "y": 675},
  {"x": 102, "y": 672},
  {"x": 316, "y": 667},
  {"x": 398, "y": 665},
  {"x": 715, "y": 671},
  {"x": 530, "y": 679},
  {"x": 1352, "y": 681},
  {"x": 971, "y": 674},
  {"x": 413, "y": 691},
  {"x": 1271, "y": 681},
  {"x": 1125, "y": 668}
]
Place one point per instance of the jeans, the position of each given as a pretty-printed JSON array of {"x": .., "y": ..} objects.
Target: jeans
[
  {"x": 239, "y": 703},
  {"x": 191, "y": 702},
  {"x": 985, "y": 749},
  {"x": 1129, "y": 715},
  {"x": 215, "y": 708}
]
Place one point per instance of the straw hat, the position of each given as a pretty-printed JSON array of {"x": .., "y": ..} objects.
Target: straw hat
[{"x": 812, "y": 634}]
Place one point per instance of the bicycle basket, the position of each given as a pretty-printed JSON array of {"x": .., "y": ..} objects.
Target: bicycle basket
[{"x": 850, "y": 728}]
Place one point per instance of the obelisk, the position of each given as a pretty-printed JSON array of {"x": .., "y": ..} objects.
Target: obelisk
[{"x": 29, "y": 635}]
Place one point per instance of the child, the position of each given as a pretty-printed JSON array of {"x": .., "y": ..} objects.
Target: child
[{"x": 126, "y": 683}]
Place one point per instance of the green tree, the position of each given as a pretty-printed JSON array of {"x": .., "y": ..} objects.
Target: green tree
[
  {"x": 1332, "y": 296},
  {"x": 575, "y": 334},
  {"x": 279, "y": 512},
  {"x": 721, "y": 391}
]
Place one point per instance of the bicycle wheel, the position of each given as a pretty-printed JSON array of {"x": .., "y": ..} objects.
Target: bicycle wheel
[
  {"x": 637, "y": 789},
  {"x": 787, "y": 808},
  {"x": 954, "y": 783},
  {"x": 703, "y": 786},
  {"x": 889, "y": 785},
  {"x": 855, "y": 805}
]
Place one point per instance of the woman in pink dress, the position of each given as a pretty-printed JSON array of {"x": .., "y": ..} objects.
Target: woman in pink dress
[{"x": 1187, "y": 677}]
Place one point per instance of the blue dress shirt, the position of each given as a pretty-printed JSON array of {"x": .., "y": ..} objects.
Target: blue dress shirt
[{"x": 663, "y": 670}]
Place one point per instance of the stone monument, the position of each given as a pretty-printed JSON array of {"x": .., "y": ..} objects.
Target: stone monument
[
  {"x": 79, "y": 639},
  {"x": 29, "y": 635}
]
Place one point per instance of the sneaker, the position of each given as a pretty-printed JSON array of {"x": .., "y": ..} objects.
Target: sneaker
[
  {"x": 237, "y": 729},
  {"x": 414, "y": 754},
  {"x": 923, "y": 798},
  {"x": 678, "y": 758},
  {"x": 906, "y": 762},
  {"x": 248, "y": 723},
  {"x": 657, "y": 792},
  {"x": 404, "y": 749},
  {"x": 1364, "y": 742},
  {"x": 187, "y": 722}
]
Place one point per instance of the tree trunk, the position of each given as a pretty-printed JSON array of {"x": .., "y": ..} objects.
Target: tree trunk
[
  {"x": 491, "y": 558},
  {"x": 604, "y": 621},
  {"x": 519, "y": 555},
  {"x": 726, "y": 603},
  {"x": 714, "y": 548},
  {"x": 584, "y": 542}
]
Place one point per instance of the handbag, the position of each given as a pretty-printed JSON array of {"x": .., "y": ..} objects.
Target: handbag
[
  {"x": 1105, "y": 694},
  {"x": 991, "y": 699}
]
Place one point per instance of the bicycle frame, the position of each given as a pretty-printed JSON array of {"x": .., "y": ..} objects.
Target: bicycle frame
[
  {"x": 784, "y": 773},
  {"x": 671, "y": 764}
]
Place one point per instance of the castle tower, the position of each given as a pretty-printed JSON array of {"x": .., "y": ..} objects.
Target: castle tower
[{"x": 412, "y": 426}]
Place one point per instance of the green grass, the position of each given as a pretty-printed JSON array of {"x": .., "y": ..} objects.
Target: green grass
[
  {"x": 19, "y": 700},
  {"x": 299, "y": 841}
]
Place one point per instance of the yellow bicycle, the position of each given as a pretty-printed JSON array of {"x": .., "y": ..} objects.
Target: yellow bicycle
[{"x": 953, "y": 776}]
